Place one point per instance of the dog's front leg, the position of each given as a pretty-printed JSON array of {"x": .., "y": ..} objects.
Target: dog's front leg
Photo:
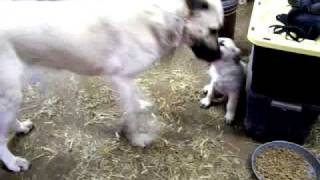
[
  {"x": 10, "y": 99},
  {"x": 232, "y": 103},
  {"x": 209, "y": 90},
  {"x": 11, "y": 161},
  {"x": 138, "y": 123}
]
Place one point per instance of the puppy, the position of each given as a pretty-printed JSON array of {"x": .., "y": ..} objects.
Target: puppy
[
  {"x": 114, "y": 39},
  {"x": 227, "y": 78}
]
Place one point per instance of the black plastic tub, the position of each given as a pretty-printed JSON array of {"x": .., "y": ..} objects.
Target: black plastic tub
[
  {"x": 286, "y": 76},
  {"x": 268, "y": 119}
]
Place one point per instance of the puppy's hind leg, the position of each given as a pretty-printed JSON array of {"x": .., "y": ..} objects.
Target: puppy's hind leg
[
  {"x": 10, "y": 98},
  {"x": 232, "y": 104}
]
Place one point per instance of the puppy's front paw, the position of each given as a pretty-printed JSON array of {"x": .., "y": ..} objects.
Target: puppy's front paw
[
  {"x": 205, "y": 89},
  {"x": 229, "y": 117},
  {"x": 24, "y": 127},
  {"x": 18, "y": 164},
  {"x": 205, "y": 103}
]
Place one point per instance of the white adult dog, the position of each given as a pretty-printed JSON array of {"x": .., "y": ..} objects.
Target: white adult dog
[
  {"x": 115, "y": 39},
  {"x": 227, "y": 78}
]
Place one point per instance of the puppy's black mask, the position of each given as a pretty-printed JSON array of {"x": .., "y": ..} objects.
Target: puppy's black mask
[{"x": 204, "y": 52}]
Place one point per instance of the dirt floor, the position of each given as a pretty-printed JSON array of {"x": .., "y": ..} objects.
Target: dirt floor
[{"x": 76, "y": 117}]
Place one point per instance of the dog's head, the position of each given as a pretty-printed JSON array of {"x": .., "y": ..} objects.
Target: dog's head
[
  {"x": 229, "y": 50},
  {"x": 202, "y": 26}
]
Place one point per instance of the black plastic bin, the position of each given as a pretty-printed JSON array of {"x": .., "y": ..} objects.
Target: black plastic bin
[
  {"x": 283, "y": 99},
  {"x": 286, "y": 76},
  {"x": 283, "y": 93},
  {"x": 269, "y": 120}
]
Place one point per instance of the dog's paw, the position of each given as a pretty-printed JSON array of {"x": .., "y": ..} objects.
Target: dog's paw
[
  {"x": 205, "y": 103},
  {"x": 141, "y": 140},
  {"x": 229, "y": 118},
  {"x": 25, "y": 127},
  {"x": 141, "y": 129},
  {"x": 18, "y": 164},
  {"x": 144, "y": 104}
]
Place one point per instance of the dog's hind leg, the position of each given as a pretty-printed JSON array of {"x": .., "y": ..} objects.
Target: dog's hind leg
[
  {"x": 138, "y": 123},
  {"x": 10, "y": 98}
]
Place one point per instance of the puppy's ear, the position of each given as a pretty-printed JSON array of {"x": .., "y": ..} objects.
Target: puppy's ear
[{"x": 197, "y": 4}]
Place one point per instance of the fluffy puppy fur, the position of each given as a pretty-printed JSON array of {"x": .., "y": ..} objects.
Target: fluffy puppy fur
[{"x": 227, "y": 78}]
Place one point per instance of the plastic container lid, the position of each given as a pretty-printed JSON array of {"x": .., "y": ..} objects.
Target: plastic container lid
[
  {"x": 264, "y": 15},
  {"x": 229, "y": 6}
]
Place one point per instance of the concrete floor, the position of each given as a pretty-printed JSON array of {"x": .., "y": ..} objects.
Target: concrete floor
[{"x": 75, "y": 121}]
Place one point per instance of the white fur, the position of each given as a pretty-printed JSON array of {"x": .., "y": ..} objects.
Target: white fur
[{"x": 115, "y": 39}]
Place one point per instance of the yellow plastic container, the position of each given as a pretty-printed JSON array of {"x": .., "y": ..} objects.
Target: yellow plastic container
[{"x": 264, "y": 15}]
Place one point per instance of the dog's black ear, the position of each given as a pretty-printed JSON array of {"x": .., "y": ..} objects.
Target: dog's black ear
[{"x": 197, "y": 4}]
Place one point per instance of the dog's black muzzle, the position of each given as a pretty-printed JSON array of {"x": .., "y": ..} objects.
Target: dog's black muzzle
[{"x": 202, "y": 51}]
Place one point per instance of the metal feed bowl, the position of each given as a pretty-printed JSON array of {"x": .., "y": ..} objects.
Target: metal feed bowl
[{"x": 309, "y": 157}]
